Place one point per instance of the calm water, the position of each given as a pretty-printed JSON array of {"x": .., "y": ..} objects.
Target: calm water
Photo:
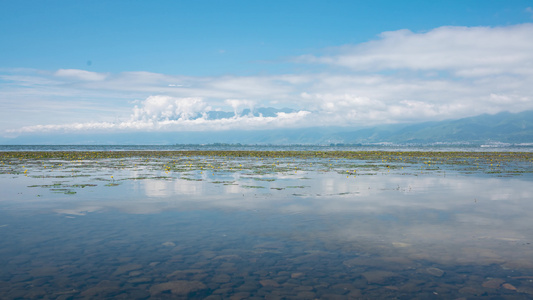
[
  {"x": 505, "y": 147},
  {"x": 130, "y": 230}
]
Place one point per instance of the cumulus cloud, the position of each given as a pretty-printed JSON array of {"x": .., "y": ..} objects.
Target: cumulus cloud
[
  {"x": 238, "y": 105},
  {"x": 444, "y": 73},
  {"x": 170, "y": 114},
  {"x": 165, "y": 108}
]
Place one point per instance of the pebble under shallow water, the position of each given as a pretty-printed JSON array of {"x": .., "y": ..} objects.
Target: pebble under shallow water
[{"x": 255, "y": 233}]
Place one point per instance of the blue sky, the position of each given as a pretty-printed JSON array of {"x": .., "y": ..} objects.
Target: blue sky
[{"x": 108, "y": 66}]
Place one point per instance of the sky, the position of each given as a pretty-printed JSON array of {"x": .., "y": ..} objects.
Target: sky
[{"x": 127, "y": 66}]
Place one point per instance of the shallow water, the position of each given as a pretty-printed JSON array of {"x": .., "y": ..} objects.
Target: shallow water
[
  {"x": 491, "y": 147},
  {"x": 128, "y": 228}
]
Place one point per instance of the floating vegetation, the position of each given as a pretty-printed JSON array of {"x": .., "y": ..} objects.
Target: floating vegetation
[
  {"x": 195, "y": 242},
  {"x": 82, "y": 185},
  {"x": 138, "y": 178},
  {"x": 223, "y": 182},
  {"x": 162, "y": 177},
  {"x": 55, "y": 185},
  {"x": 343, "y": 193},
  {"x": 253, "y": 186},
  {"x": 63, "y": 191},
  {"x": 191, "y": 179},
  {"x": 261, "y": 166}
]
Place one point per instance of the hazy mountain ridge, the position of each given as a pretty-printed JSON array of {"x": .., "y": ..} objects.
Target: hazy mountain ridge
[{"x": 502, "y": 127}]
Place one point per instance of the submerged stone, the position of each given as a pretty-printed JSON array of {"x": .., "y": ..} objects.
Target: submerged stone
[
  {"x": 509, "y": 286},
  {"x": 297, "y": 275},
  {"x": 140, "y": 280},
  {"x": 134, "y": 273},
  {"x": 240, "y": 296},
  {"x": 126, "y": 269},
  {"x": 269, "y": 283},
  {"x": 182, "y": 274},
  {"x": 378, "y": 276},
  {"x": 493, "y": 283},
  {"x": 178, "y": 287},
  {"x": 306, "y": 295},
  {"x": 102, "y": 289},
  {"x": 468, "y": 290},
  {"x": 435, "y": 272},
  {"x": 526, "y": 290},
  {"x": 221, "y": 278}
]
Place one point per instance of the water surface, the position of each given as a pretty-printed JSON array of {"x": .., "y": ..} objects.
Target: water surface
[{"x": 274, "y": 228}]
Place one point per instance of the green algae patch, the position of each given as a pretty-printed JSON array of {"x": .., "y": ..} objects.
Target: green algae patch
[
  {"x": 265, "y": 179},
  {"x": 253, "y": 186},
  {"x": 82, "y": 185},
  {"x": 63, "y": 191},
  {"x": 256, "y": 164},
  {"x": 55, "y": 185},
  {"x": 191, "y": 179}
]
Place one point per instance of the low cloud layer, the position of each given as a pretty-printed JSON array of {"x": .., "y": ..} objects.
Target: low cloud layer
[
  {"x": 164, "y": 113},
  {"x": 448, "y": 72}
]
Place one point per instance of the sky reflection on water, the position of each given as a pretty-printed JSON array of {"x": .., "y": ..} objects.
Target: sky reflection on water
[
  {"x": 392, "y": 219},
  {"x": 450, "y": 211}
]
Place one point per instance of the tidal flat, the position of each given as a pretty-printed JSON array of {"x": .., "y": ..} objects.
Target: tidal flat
[{"x": 266, "y": 225}]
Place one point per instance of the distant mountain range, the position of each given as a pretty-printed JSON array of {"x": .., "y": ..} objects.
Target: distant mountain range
[{"x": 503, "y": 127}]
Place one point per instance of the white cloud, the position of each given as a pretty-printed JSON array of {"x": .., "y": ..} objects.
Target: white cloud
[
  {"x": 448, "y": 72},
  {"x": 238, "y": 105},
  {"x": 80, "y": 74},
  {"x": 165, "y": 108},
  {"x": 466, "y": 51},
  {"x": 171, "y": 114}
]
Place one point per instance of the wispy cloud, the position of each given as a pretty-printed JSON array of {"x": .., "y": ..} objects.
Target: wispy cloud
[
  {"x": 448, "y": 72},
  {"x": 529, "y": 10},
  {"x": 80, "y": 75}
]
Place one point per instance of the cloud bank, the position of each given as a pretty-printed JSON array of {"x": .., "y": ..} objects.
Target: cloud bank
[
  {"x": 402, "y": 76},
  {"x": 165, "y": 113}
]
